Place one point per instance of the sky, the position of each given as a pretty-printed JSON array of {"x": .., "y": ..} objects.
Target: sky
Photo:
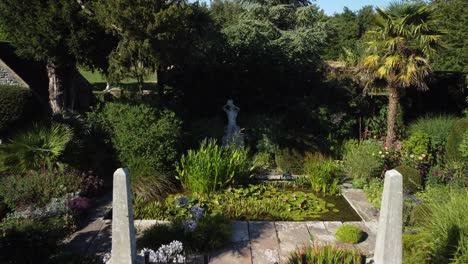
[{"x": 336, "y": 6}]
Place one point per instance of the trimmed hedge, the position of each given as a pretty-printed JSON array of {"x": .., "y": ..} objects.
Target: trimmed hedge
[
  {"x": 349, "y": 234},
  {"x": 14, "y": 103},
  {"x": 455, "y": 139},
  {"x": 412, "y": 180}
]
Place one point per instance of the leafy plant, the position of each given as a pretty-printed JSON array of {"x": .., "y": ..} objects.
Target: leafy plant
[
  {"x": 436, "y": 127},
  {"x": 463, "y": 148},
  {"x": 212, "y": 167},
  {"x": 144, "y": 138},
  {"x": 374, "y": 190},
  {"x": 417, "y": 149},
  {"x": 290, "y": 160},
  {"x": 326, "y": 254},
  {"x": 349, "y": 234},
  {"x": 14, "y": 104},
  {"x": 455, "y": 138},
  {"x": 38, "y": 148},
  {"x": 263, "y": 162},
  {"x": 38, "y": 188},
  {"x": 361, "y": 160},
  {"x": 415, "y": 249},
  {"x": 446, "y": 224},
  {"x": 320, "y": 174},
  {"x": 412, "y": 180},
  {"x": 31, "y": 241}
]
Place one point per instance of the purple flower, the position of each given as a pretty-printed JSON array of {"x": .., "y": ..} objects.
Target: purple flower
[
  {"x": 190, "y": 225},
  {"x": 182, "y": 201},
  {"x": 196, "y": 212},
  {"x": 79, "y": 205}
]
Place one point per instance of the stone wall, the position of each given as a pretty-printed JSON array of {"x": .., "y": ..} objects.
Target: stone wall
[{"x": 6, "y": 78}]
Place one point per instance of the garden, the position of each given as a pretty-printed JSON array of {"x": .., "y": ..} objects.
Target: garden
[{"x": 235, "y": 112}]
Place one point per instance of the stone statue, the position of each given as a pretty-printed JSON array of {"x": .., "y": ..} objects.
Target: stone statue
[{"x": 233, "y": 132}]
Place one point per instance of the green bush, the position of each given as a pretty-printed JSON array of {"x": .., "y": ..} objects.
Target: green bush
[
  {"x": 349, "y": 234},
  {"x": 415, "y": 249},
  {"x": 463, "y": 148},
  {"x": 326, "y": 254},
  {"x": 38, "y": 148},
  {"x": 15, "y": 102},
  {"x": 32, "y": 241},
  {"x": 412, "y": 180},
  {"x": 213, "y": 167},
  {"x": 447, "y": 225},
  {"x": 373, "y": 191},
  {"x": 290, "y": 160},
  {"x": 263, "y": 162},
  {"x": 143, "y": 137},
  {"x": 436, "y": 127},
  {"x": 454, "y": 140},
  {"x": 361, "y": 160},
  {"x": 320, "y": 174},
  {"x": 418, "y": 148},
  {"x": 38, "y": 188}
]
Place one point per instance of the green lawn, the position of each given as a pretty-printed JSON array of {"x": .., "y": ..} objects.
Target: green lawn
[{"x": 97, "y": 77}]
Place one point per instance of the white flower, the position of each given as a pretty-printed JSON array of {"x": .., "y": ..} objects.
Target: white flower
[
  {"x": 411, "y": 156},
  {"x": 380, "y": 152},
  {"x": 383, "y": 156}
]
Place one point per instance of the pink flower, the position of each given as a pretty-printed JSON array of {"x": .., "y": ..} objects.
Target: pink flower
[{"x": 434, "y": 172}]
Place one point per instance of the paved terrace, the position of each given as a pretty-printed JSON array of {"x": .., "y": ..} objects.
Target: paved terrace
[{"x": 252, "y": 242}]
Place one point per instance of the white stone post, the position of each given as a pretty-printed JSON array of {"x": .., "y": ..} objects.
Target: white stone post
[
  {"x": 123, "y": 230},
  {"x": 388, "y": 246}
]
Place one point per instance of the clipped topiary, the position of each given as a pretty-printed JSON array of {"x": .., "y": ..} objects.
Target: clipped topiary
[
  {"x": 349, "y": 234},
  {"x": 14, "y": 103},
  {"x": 455, "y": 139},
  {"x": 412, "y": 180}
]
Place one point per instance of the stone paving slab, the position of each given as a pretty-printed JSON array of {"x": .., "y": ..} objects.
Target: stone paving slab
[
  {"x": 358, "y": 200},
  {"x": 332, "y": 226},
  {"x": 240, "y": 231},
  {"x": 264, "y": 242},
  {"x": 236, "y": 253},
  {"x": 316, "y": 228},
  {"x": 291, "y": 235}
]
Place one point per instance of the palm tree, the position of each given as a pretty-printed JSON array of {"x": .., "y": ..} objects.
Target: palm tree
[{"x": 398, "y": 54}]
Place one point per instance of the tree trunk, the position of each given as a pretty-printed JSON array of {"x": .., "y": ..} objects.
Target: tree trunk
[
  {"x": 56, "y": 88},
  {"x": 393, "y": 99}
]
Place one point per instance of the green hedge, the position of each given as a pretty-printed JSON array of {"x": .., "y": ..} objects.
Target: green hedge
[
  {"x": 14, "y": 103},
  {"x": 455, "y": 139},
  {"x": 412, "y": 180}
]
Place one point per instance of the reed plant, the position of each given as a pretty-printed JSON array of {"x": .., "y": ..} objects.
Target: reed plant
[
  {"x": 213, "y": 167},
  {"x": 326, "y": 254}
]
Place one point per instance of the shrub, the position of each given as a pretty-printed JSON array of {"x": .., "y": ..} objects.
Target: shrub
[
  {"x": 361, "y": 160},
  {"x": 320, "y": 174},
  {"x": 412, "y": 180},
  {"x": 326, "y": 254},
  {"x": 446, "y": 225},
  {"x": 417, "y": 149},
  {"x": 38, "y": 148},
  {"x": 454, "y": 140},
  {"x": 374, "y": 192},
  {"x": 142, "y": 136},
  {"x": 14, "y": 104},
  {"x": 263, "y": 162},
  {"x": 463, "y": 148},
  {"x": 212, "y": 167},
  {"x": 31, "y": 241},
  {"x": 38, "y": 188},
  {"x": 415, "y": 250},
  {"x": 289, "y": 160},
  {"x": 349, "y": 234},
  {"x": 436, "y": 127}
]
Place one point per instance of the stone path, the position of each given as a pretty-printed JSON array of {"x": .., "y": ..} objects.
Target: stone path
[
  {"x": 259, "y": 242},
  {"x": 95, "y": 237}
]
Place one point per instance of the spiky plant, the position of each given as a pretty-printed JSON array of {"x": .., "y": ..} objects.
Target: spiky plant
[
  {"x": 38, "y": 148},
  {"x": 398, "y": 54}
]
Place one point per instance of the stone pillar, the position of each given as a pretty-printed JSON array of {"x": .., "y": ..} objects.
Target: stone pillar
[
  {"x": 388, "y": 246},
  {"x": 123, "y": 230}
]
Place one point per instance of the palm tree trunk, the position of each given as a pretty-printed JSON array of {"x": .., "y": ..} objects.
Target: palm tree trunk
[
  {"x": 393, "y": 99},
  {"x": 56, "y": 88}
]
